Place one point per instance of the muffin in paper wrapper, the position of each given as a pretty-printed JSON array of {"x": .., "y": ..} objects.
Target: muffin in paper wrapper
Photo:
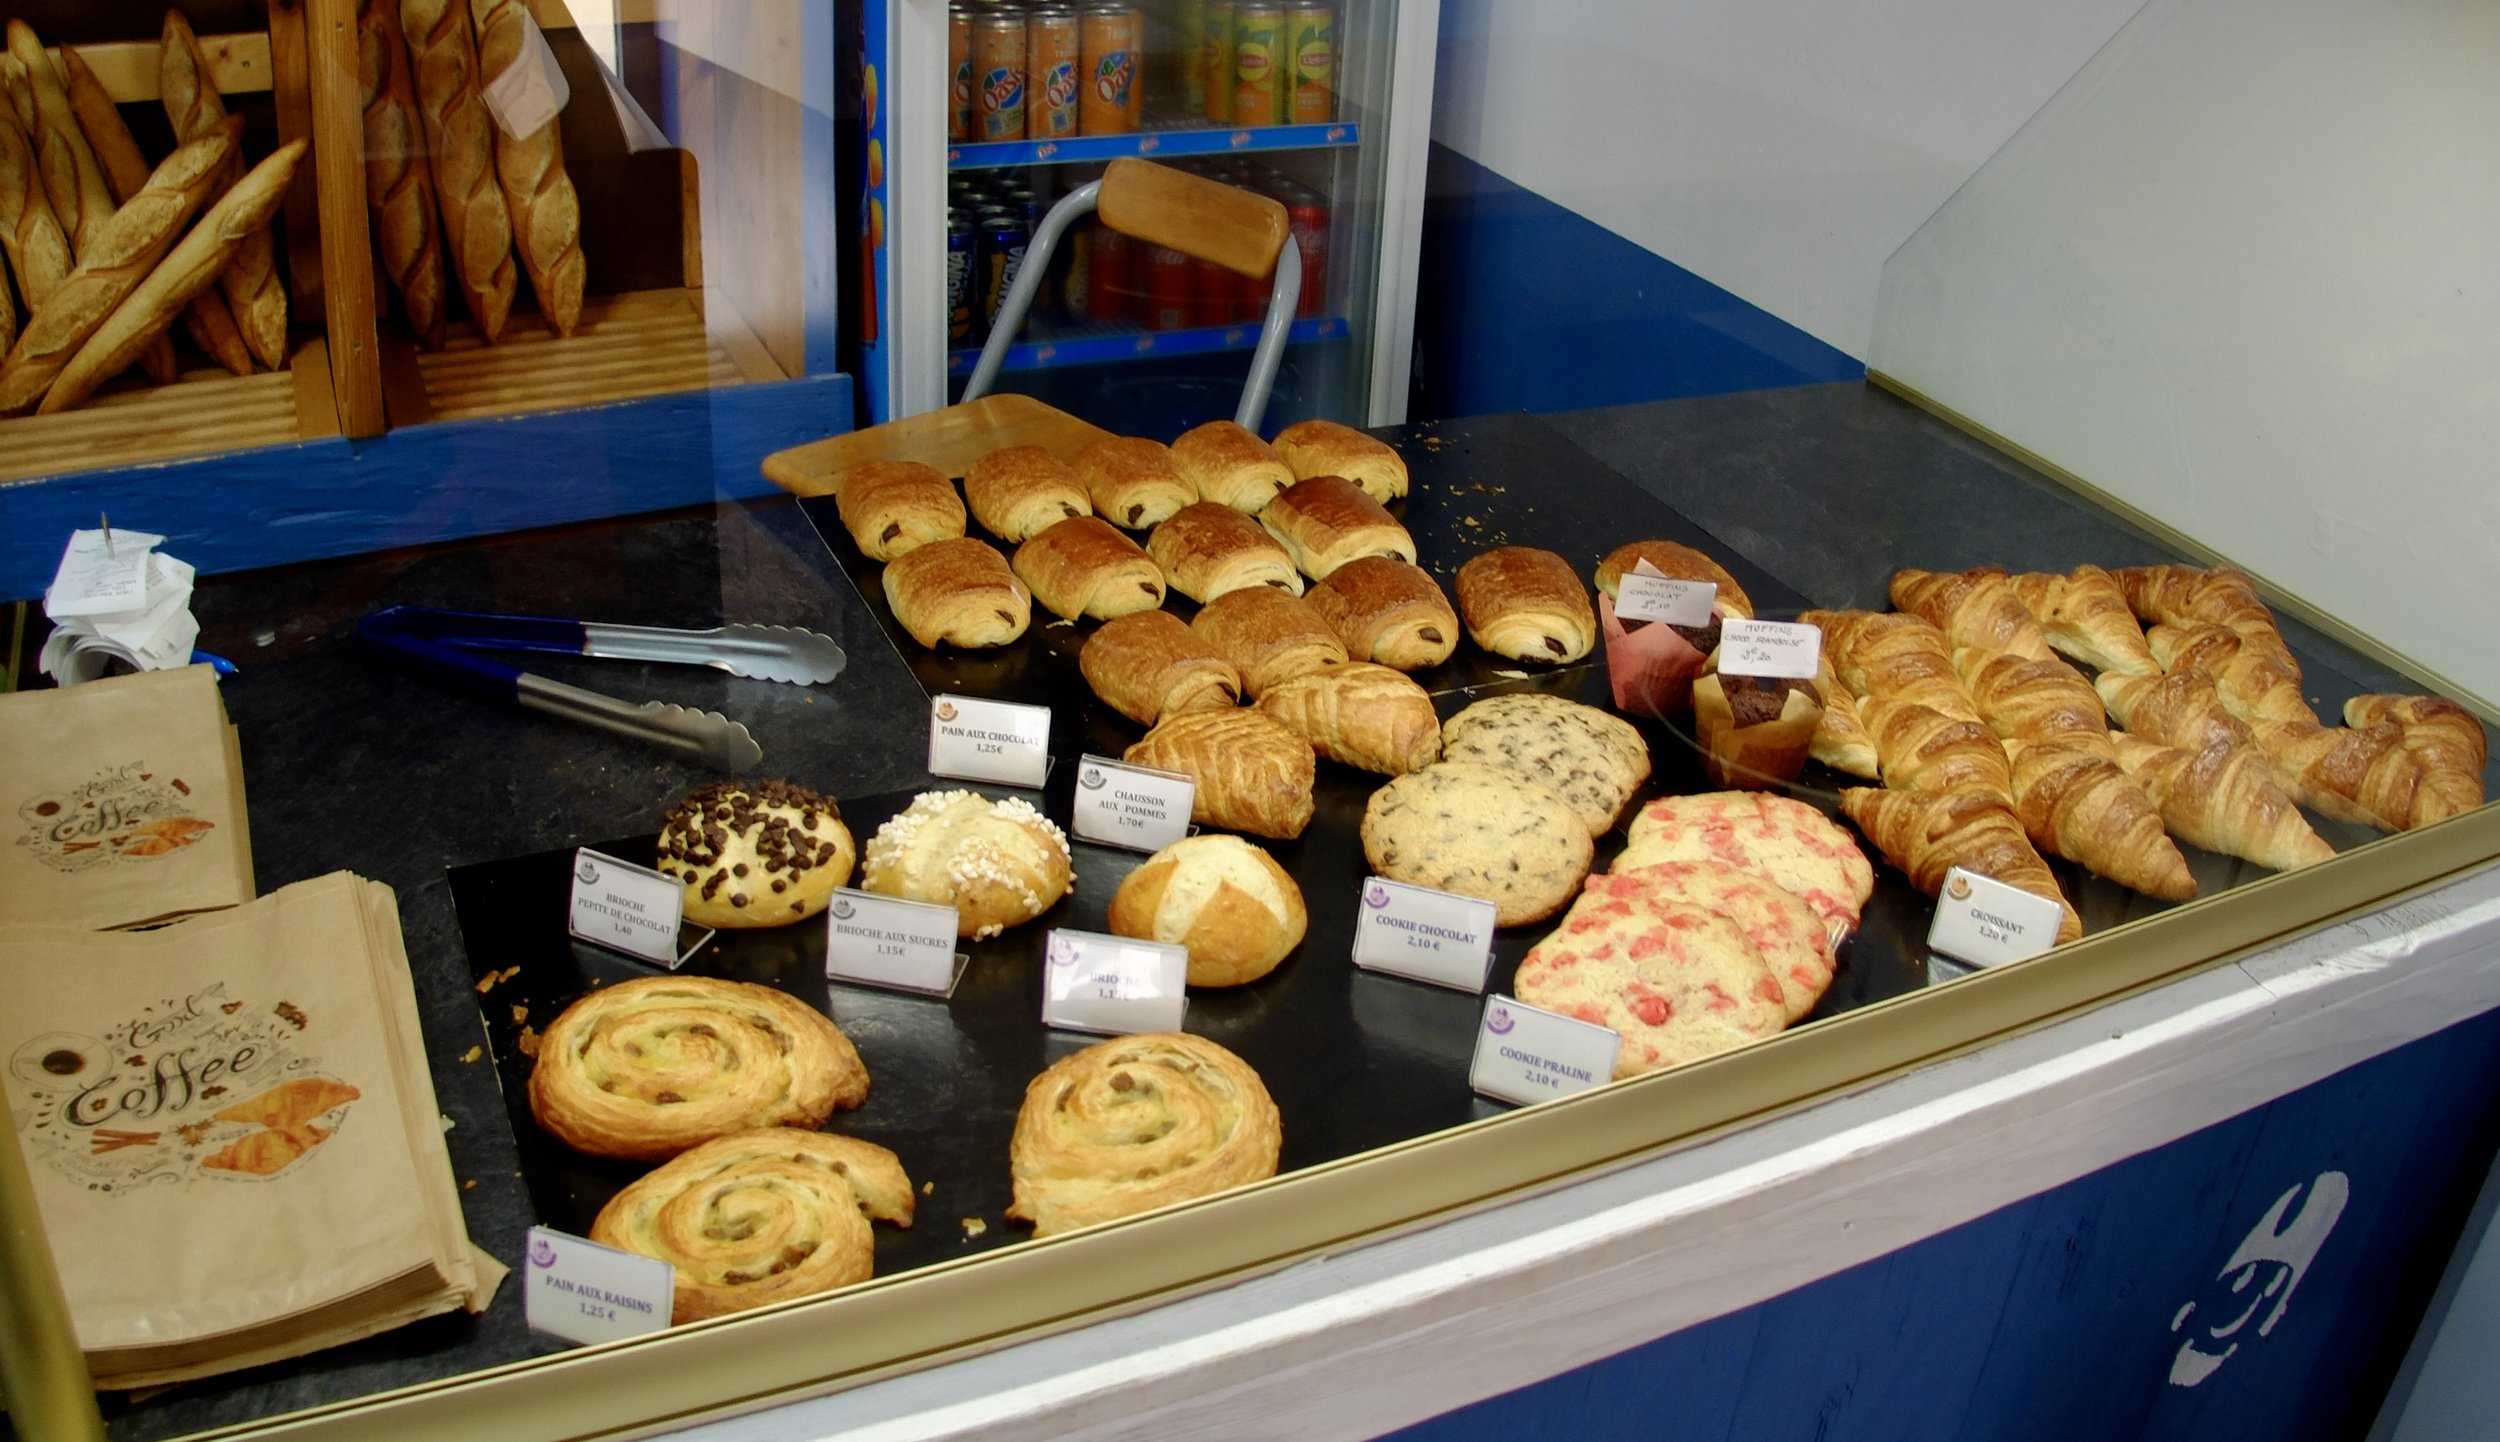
[
  {"x": 1650, "y": 666},
  {"x": 1761, "y": 755}
]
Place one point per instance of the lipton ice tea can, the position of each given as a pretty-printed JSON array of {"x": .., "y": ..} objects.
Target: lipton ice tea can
[
  {"x": 1215, "y": 61},
  {"x": 998, "y": 59},
  {"x": 1189, "y": 48},
  {"x": 1311, "y": 50},
  {"x": 1051, "y": 58},
  {"x": 1108, "y": 99},
  {"x": 1258, "y": 31},
  {"x": 959, "y": 66}
]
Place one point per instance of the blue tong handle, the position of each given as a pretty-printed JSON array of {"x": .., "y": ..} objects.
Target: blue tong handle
[{"x": 442, "y": 645}]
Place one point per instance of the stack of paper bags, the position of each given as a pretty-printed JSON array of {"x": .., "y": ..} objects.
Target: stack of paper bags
[
  {"x": 121, "y": 802},
  {"x": 232, "y": 1134}
]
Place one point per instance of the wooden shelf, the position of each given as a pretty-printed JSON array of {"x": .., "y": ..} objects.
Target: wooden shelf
[
  {"x": 207, "y": 411},
  {"x": 643, "y": 343}
]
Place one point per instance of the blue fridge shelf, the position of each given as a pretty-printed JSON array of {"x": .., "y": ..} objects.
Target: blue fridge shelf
[
  {"x": 1097, "y": 345},
  {"x": 994, "y": 154}
]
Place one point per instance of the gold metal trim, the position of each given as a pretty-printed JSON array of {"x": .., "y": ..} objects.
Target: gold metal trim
[
  {"x": 43, "y": 1371},
  {"x": 2183, "y": 544},
  {"x": 945, "y": 1313}
]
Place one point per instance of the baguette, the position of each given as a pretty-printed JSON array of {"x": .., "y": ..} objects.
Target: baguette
[
  {"x": 8, "y": 312},
  {"x": 194, "y": 264},
  {"x": 71, "y": 177},
  {"x": 206, "y": 319},
  {"x": 399, "y": 183},
  {"x": 546, "y": 215},
  {"x": 38, "y": 252},
  {"x": 250, "y": 279},
  {"x": 125, "y": 251},
  {"x": 21, "y": 100},
  {"x": 458, "y": 134}
]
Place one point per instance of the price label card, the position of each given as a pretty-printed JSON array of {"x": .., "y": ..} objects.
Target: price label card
[
  {"x": 886, "y": 941},
  {"x": 1133, "y": 806},
  {"x": 1114, "y": 984},
  {"x": 532, "y": 90},
  {"x": 584, "y": 1292},
  {"x": 1985, "y": 922},
  {"x": 629, "y": 908},
  {"x": 100, "y": 575},
  {"x": 1527, "y": 1055},
  {"x": 999, "y": 741},
  {"x": 1427, "y": 935},
  {"x": 1771, "y": 649},
  {"x": 1647, "y": 596}
]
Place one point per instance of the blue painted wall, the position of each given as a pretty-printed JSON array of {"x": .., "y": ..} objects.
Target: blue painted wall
[
  {"x": 1521, "y": 304},
  {"x": 443, "y": 481},
  {"x": 2053, "y": 1319}
]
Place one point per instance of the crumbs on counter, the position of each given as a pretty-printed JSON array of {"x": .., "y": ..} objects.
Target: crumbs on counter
[
  {"x": 927, "y": 1187},
  {"x": 520, "y": 1013},
  {"x": 494, "y": 979},
  {"x": 973, "y": 1227},
  {"x": 473, "y": 1053},
  {"x": 529, "y": 1047}
]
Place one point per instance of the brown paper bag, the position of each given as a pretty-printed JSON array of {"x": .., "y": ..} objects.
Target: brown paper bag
[
  {"x": 121, "y": 802},
  {"x": 231, "y": 1131}
]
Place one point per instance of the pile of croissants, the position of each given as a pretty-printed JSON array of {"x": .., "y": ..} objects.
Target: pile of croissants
[
  {"x": 1990, "y": 744},
  {"x": 108, "y": 253}
]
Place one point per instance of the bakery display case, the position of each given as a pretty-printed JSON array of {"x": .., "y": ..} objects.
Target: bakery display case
[{"x": 1434, "y": 655}]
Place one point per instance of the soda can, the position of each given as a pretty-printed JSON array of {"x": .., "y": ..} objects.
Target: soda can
[
  {"x": 1211, "y": 294},
  {"x": 1171, "y": 289},
  {"x": 962, "y": 244},
  {"x": 1307, "y": 217},
  {"x": 1113, "y": 41},
  {"x": 1051, "y": 63},
  {"x": 1258, "y": 91},
  {"x": 1189, "y": 50},
  {"x": 1003, "y": 242},
  {"x": 1215, "y": 61},
  {"x": 1108, "y": 289},
  {"x": 998, "y": 95},
  {"x": 959, "y": 65},
  {"x": 1311, "y": 50}
]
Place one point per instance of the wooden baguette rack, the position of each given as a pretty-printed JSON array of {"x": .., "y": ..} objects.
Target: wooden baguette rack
[{"x": 645, "y": 327}]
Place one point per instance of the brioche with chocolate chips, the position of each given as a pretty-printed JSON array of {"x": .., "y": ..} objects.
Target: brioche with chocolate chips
[{"x": 755, "y": 853}]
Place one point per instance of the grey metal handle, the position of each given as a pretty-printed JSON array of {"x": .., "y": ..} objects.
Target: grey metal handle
[
  {"x": 765, "y": 653},
  {"x": 1074, "y": 206},
  {"x": 705, "y": 736}
]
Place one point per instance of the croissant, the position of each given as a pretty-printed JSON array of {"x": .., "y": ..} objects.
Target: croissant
[
  {"x": 2365, "y": 773},
  {"x": 1841, "y": 740},
  {"x": 2181, "y": 709},
  {"x": 2225, "y": 799},
  {"x": 1923, "y": 749},
  {"x": 2225, "y": 595},
  {"x": 2039, "y": 701},
  {"x": 2084, "y": 615},
  {"x": 1976, "y": 608},
  {"x": 2446, "y": 736},
  {"x": 1928, "y": 833},
  {"x": 2253, "y": 685},
  {"x": 1899, "y": 658},
  {"x": 2078, "y": 804}
]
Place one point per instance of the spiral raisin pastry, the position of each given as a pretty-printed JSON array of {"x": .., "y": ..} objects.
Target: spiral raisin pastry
[
  {"x": 760, "y": 1216},
  {"x": 1137, "y": 1123},
  {"x": 650, "y": 1067}
]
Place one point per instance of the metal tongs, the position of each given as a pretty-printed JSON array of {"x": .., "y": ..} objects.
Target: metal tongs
[{"x": 440, "y": 646}]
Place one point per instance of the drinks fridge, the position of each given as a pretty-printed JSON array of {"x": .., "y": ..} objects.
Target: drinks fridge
[{"x": 980, "y": 114}]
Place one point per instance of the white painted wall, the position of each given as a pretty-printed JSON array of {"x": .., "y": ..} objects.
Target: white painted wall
[
  {"x": 1780, "y": 149},
  {"x": 2243, "y": 274}
]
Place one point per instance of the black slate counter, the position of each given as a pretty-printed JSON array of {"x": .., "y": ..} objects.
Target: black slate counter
[{"x": 354, "y": 766}]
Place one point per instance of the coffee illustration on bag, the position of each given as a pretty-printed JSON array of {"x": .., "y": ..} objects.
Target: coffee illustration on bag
[
  {"x": 126, "y": 813},
  {"x": 204, "y": 1086}
]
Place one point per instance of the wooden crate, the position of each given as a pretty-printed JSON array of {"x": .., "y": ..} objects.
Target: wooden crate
[{"x": 270, "y": 76}]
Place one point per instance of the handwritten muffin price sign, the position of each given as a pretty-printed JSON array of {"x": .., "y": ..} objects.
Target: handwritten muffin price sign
[{"x": 1772, "y": 649}]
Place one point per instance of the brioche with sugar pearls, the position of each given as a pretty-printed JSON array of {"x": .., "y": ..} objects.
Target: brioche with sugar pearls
[{"x": 998, "y": 863}]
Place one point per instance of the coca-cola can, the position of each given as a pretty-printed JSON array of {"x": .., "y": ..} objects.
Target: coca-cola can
[
  {"x": 1171, "y": 289},
  {"x": 1307, "y": 217},
  {"x": 1108, "y": 290}
]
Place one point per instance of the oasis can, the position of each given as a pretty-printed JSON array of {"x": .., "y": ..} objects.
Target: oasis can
[
  {"x": 1051, "y": 59},
  {"x": 998, "y": 93},
  {"x": 959, "y": 66},
  {"x": 1108, "y": 103},
  {"x": 1215, "y": 61}
]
